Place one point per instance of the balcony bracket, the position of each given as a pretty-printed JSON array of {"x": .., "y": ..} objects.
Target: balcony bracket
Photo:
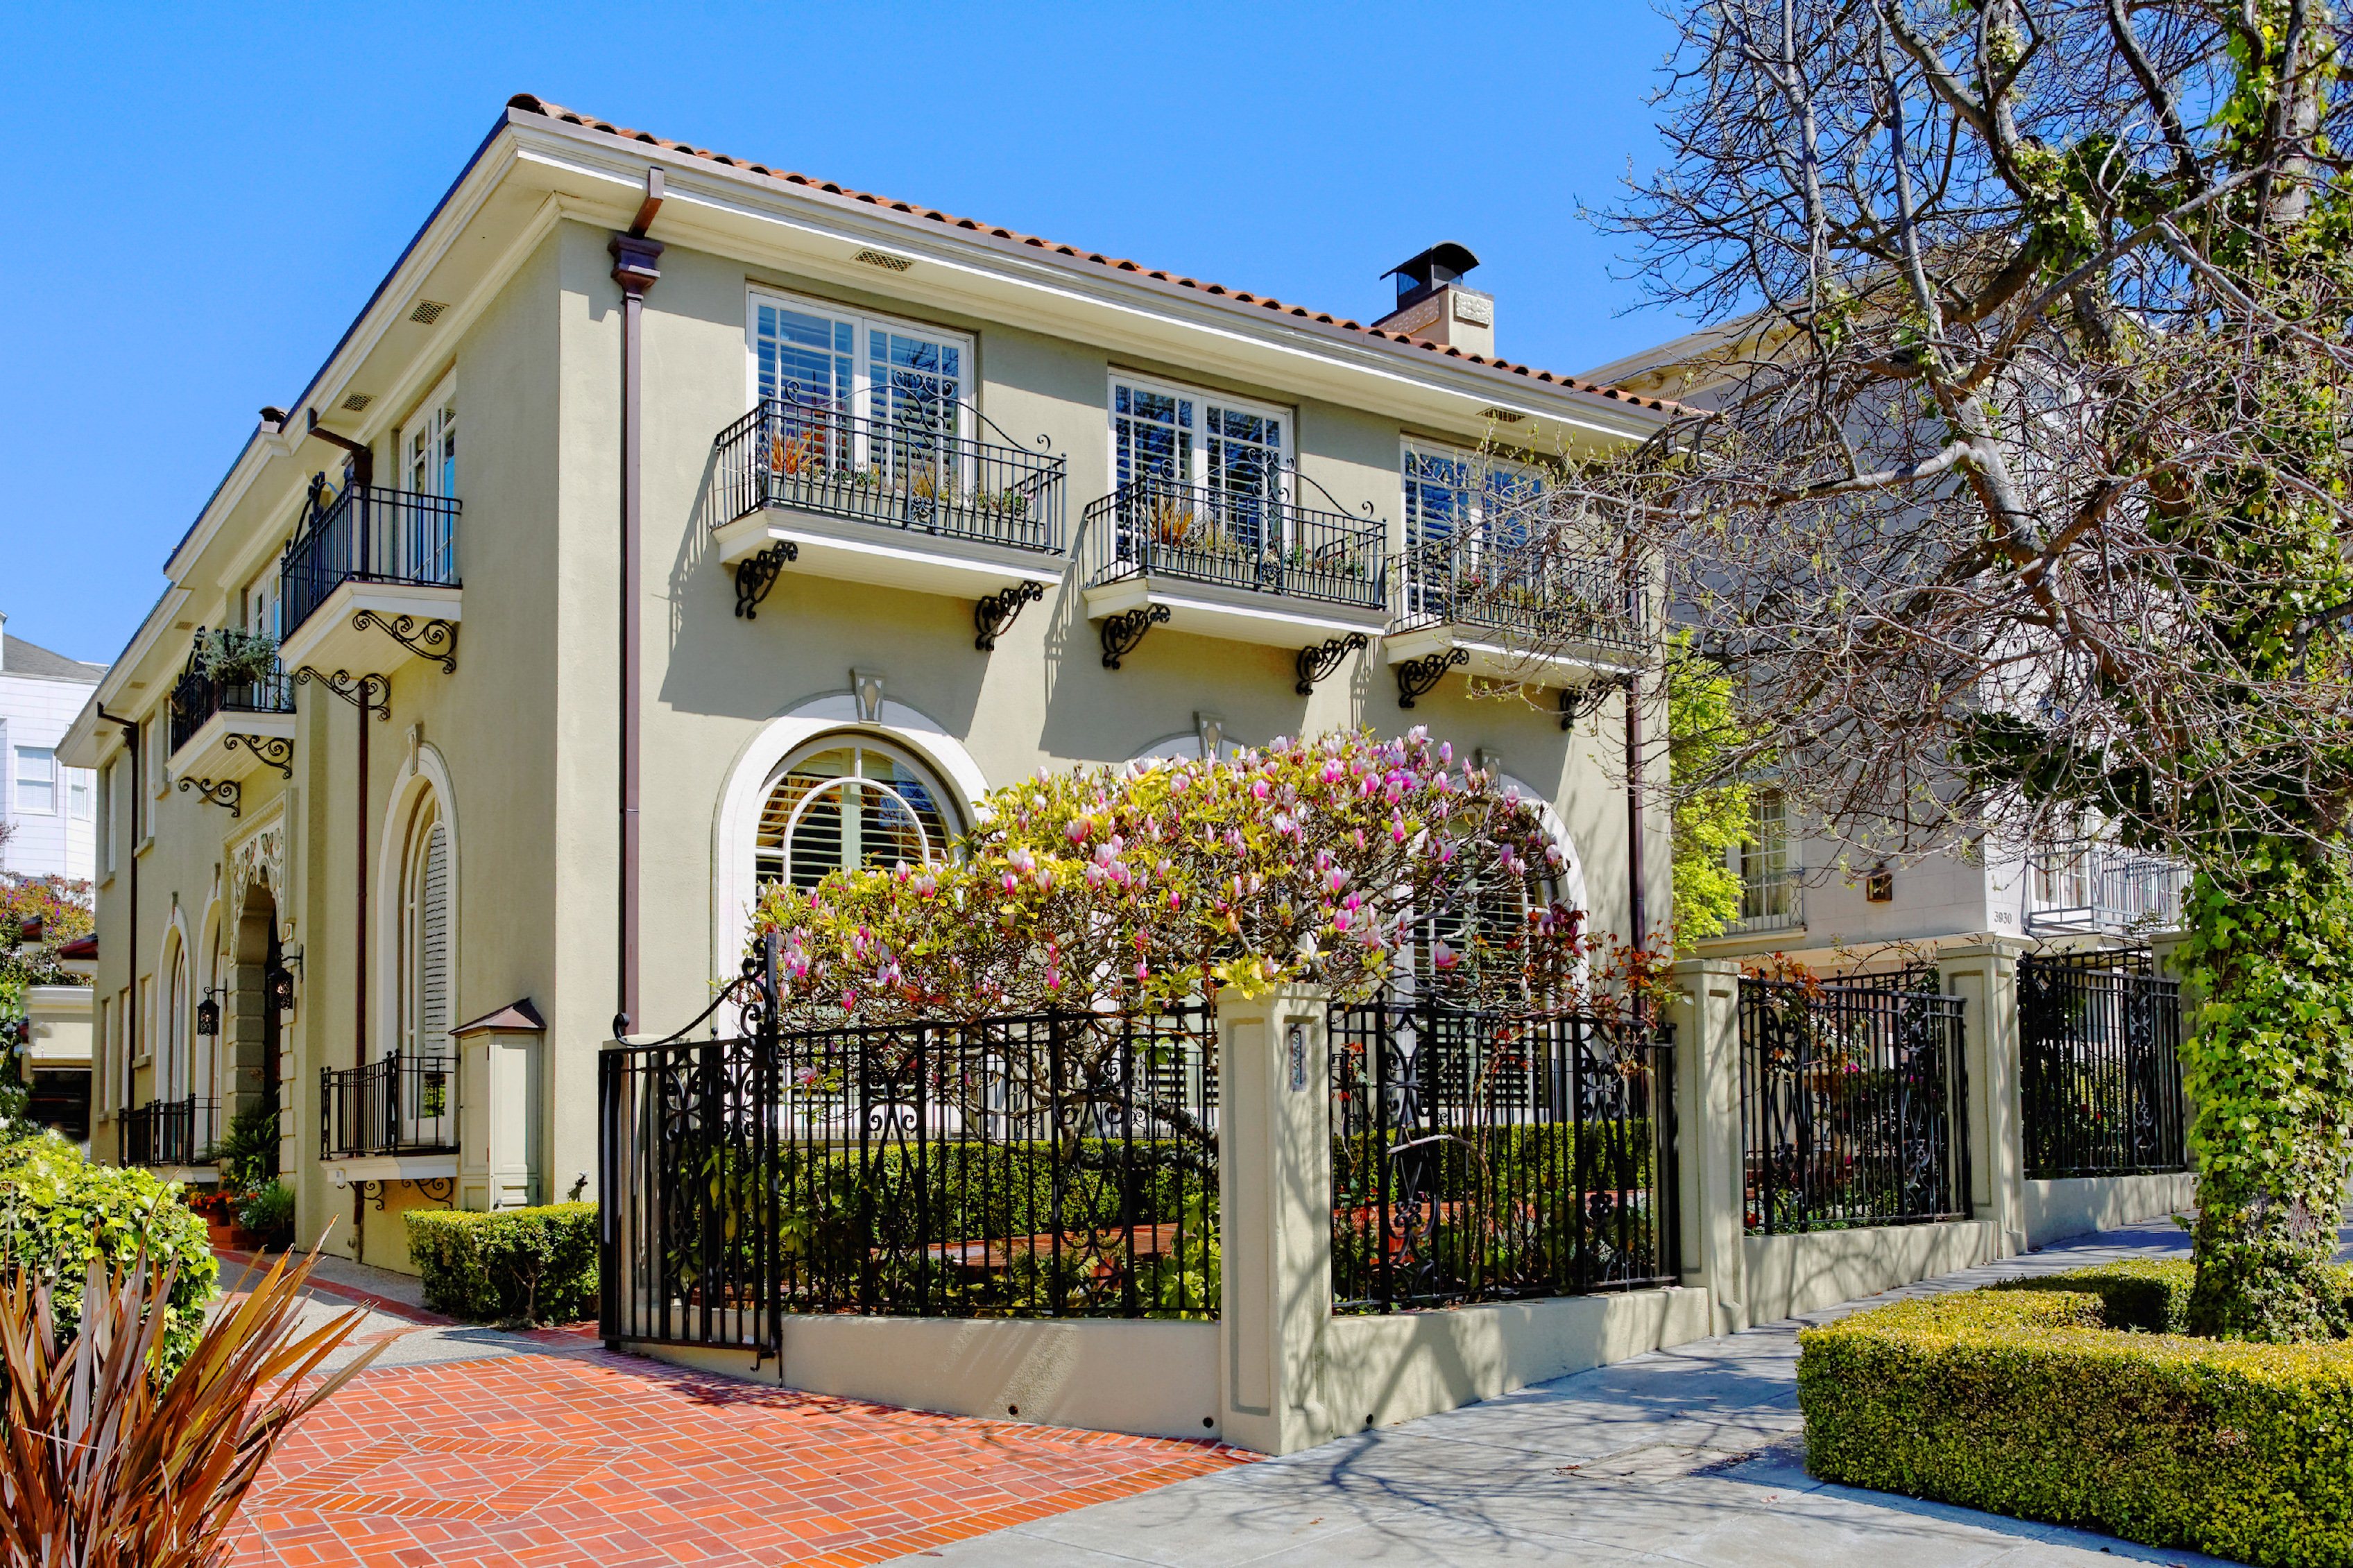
[
  {"x": 755, "y": 574},
  {"x": 1320, "y": 660},
  {"x": 379, "y": 1191},
  {"x": 431, "y": 639},
  {"x": 993, "y": 613},
  {"x": 223, "y": 792},
  {"x": 273, "y": 750},
  {"x": 370, "y": 692},
  {"x": 1122, "y": 632},
  {"x": 1581, "y": 701},
  {"x": 1418, "y": 677},
  {"x": 442, "y": 1190}
]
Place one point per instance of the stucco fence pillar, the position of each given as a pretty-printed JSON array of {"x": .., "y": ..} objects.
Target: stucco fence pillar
[{"x": 1712, "y": 1149}]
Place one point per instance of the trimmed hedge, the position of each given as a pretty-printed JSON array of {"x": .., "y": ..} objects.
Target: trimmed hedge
[
  {"x": 2067, "y": 1399},
  {"x": 58, "y": 1212},
  {"x": 513, "y": 1266}
]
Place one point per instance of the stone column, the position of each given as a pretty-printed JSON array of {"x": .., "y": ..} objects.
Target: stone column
[
  {"x": 1984, "y": 975},
  {"x": 1711, "y": 1144},
  {"x": 1275, "y": 1207},
  {"x": 498, "y": 1163}
]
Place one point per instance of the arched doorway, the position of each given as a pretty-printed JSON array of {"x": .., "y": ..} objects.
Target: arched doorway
[{"x": 250, "y": 1023}]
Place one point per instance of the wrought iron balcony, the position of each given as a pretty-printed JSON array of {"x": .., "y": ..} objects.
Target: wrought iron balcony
[
  {"x": 1236, "y": 540},
  {"x": 817, "y": 458},
  {"x": 367, "y": 534},
  {"x": 1518, "y": 587},
  {"x": 2089, "y": 887},
  {"x": 400, "y": 1104},
  {"x": 246, "y": 679},
  {"x": 171, "y": 1131}
]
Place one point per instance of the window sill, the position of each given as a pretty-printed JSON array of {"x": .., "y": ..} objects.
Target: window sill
[{"x": 143, "y": 845}]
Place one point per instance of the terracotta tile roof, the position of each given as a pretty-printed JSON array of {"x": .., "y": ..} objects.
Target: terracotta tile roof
[{"x": 530, "y": 104}]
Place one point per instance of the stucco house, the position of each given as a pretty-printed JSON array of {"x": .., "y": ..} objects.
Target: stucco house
[
  {"x": 667, "y": 522},
  {"x": 46, "y": 804}
]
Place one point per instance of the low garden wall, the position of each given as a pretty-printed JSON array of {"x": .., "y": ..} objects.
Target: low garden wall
[
  {"x": 2058, "y": 1209},
  {"x": 1808, "y": 1270}
]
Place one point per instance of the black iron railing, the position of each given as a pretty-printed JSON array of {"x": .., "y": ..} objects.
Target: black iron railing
[
  {"x": 1853, "y": 1104},
  {"x": 1236, "y": 539},
  {"x": 401, "y": 1104},
  {"x": 2090, "y": 888},
  {"x": 817, "y": 459},
  {"x": 1484, "y": 1156},
  {"x": 367, "y": 534},
  {"x": 2099, "y": 1039},
  {"x": 197, "y": 696},
  {"x": 171, "y": 1131},
  {"x": 1522, "y": 588},
  {"x": 1053, "y": 1165}
]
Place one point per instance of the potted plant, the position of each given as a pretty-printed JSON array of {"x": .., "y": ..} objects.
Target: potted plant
[{"x": 231, "y": 657}]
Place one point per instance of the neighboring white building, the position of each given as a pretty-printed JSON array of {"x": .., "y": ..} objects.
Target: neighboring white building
[{"x": 48, "y": 804}]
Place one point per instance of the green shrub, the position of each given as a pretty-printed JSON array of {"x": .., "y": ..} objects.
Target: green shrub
[
  {"x": 268, "y": 1211},
  {"x": 248, "y": 1150},
  {"x": 513, "y": 1266},
  {"x": 2061, "y": 1399},
  {"x": 58, "y": 1211}
]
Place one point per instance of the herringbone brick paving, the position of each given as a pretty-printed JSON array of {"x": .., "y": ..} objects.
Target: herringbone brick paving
[{"x": 581, "y": 1456}]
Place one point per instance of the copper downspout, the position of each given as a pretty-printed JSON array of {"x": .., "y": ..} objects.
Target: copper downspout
[
  {"x": 1634, "y": 913},
  {"x": 635, "y": 269}
]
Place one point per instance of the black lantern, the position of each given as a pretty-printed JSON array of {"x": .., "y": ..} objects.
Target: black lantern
[
  {"x": 281, "y": 989},
  {"x": 208, "y": 1015}
]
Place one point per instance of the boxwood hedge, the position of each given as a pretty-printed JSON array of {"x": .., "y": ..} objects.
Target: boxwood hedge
[
  {"x": 2068, "y": 1398},
  {"x": 510, "y": 1266}
]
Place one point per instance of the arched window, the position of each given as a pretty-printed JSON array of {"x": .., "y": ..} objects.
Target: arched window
[
  {"x": 848, "y": 802},
  {"x": 176, "y": 1003},
  {"x": 422, "y": 1028}
]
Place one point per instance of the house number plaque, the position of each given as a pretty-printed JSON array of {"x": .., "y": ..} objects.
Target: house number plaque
[{"x": 1296, "y": 1042}]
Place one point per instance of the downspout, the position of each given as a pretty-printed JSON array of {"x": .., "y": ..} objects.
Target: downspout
[
  {"x": 1636, "y": 924},
  {"x": 635, "y": 267},
  {"x": 130, "y": 954}
]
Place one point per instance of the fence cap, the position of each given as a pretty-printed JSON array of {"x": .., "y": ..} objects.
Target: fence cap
[
  {"x": 1986, "y": 946},
  {"x": 515, "y": 1017}
]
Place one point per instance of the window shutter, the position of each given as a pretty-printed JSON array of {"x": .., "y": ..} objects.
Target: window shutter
[{"x": 433, "y": 945}]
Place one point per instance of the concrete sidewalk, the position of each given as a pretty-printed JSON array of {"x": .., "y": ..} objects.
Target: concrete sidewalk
[{"x": 1691, "y": 1455}]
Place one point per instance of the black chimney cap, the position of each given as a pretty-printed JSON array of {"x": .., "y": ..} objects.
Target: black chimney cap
[{"x": 1425, "y": 274}]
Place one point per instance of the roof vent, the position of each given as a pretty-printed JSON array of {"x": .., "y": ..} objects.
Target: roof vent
[
  {"x": 877, "y": 258},
  {"x": 1433, "y": 304},
  {"x": 428, "y": 312},
  {"x": 358, "y": 400}
]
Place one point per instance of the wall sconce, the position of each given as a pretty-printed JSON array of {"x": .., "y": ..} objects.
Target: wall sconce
[
  {"x": 281, "y": 989},
  {"x": 1879, "y": 885},
  {"x": 208, "y": 1011}
]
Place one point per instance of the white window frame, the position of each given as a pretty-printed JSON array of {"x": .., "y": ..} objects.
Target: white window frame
[
  {"x": 946, "y": 800},
  {"x": 1481, "y": 465},
  {"x": 110, "y": 808},
  {"x": 438, "y": 417},
  {"x": 79, "y": 783},
  {"x": 862, "y": 323},
  {"x": 18, "y": 779},
  {"x": 1201, "y": 397}
]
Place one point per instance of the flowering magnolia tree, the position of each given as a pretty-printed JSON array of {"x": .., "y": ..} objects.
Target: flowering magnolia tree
[{"x": 1341, "y": 861}]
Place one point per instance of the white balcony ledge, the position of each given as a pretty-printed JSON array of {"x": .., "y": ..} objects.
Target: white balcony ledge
[
  {"x": 212, "y": 753},
  {"x": 1488, "y": 654},
  {"x": 848, "y": 549},
  {"x": 338, "y": 634},
  {"x": 1236, "y": 614},
  {"x": 392, "y": 1168}
]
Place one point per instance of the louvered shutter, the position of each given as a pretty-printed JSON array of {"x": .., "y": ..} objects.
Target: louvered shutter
[{"x": 433, "y": 945}]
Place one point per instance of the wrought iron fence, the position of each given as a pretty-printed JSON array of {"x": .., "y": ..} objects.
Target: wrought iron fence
[
  {"x": 404, "y": 1103},
  {"x": 2099, "y": 1038},
  {"x": 197, "y": 696},
  {"x": 171, "y": 1131},
  {"x": 1519, "y": 587},
  {"x": 367, "y": 534},
  {"x": 1486, "y": 1156},
  {"x": 1854, "y": 1106},
  {"x": 816, "y": 458},
  {"x": 1236, "y": 539},
  {"x": 1049, "y": 1165}
]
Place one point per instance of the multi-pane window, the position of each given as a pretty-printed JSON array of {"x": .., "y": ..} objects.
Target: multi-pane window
[
  {"x": 1452, "y": 495},
  {"x": 78, "y": 786},
  {"x": 110, "y": 785},
  {"x": 1769, "y": 885},
  {"x": 37, "y": 780},
  {"x": 260, "y": 604},
  {"x": 424, "y": 968},
  {"x": 848, "y": 804},
  {"x": 1234, "y": 455},
  {"x": 897, "y": 374},
  {"x": 428, "y": 445}
]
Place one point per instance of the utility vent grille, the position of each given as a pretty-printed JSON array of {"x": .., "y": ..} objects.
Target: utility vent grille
[
  {"x": 428, "y": 312},
  {"x": 358, "y": 400},
  {"x": 1501, "y": 415},
  {"x": 877, "y": 258}
]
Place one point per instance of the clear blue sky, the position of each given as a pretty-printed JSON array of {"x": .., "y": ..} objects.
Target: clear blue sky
[{"x": 202, "y": 196}]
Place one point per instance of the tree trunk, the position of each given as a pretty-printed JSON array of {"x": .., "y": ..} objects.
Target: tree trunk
[{"x": 2269, "y": 1067}]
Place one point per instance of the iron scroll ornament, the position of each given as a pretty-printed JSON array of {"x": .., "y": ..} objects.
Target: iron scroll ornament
[
  {"x": 1418, "y": 677},
  {"x": 219, "y": 792},
  {"x": 993, "y": 613},
  {"x": 271, "y": 750},
  {"x": 754, "y": 575},
  {"x": 431, "y": 639},
  {"x": 1320, "y": 660},
  {"x": 1122, "y": 632},
  {"x": 369, "y": 693}
]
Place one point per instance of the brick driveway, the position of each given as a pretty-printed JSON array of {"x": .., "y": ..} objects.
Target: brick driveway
[{"x": 564, "y": 1454}]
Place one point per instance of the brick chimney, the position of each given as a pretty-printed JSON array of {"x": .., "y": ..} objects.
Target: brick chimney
[{"x": 1433, "y": 303}]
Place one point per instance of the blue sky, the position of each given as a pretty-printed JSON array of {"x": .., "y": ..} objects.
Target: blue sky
[{"x": 202, "y": 197}]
